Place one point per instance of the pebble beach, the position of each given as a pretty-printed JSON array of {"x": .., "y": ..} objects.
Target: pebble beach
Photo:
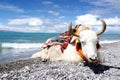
[{"x": 35, "y": 69}]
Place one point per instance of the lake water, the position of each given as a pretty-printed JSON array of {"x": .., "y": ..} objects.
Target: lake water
[{"x": 16, "y": 46}]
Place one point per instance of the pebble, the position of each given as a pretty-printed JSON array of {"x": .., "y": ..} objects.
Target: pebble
[{"x": 37, "y": 70}]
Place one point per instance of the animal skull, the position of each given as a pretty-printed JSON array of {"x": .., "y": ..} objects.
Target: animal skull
[{"x": 89, "y": 41}]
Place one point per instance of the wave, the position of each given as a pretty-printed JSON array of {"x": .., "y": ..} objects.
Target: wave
[
  {"x": 108, "y": 41},
  {"x": 21, "y": 45},
  {"x": 38, "y": 45}
]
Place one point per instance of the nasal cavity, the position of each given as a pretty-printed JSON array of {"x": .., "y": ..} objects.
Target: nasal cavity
[{"x": 93, "y": 59}]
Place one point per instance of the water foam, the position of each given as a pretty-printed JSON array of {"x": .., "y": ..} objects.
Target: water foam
[
  {"x": 108, "y": 41},
  {"x": 38, "y": 45},
  {"x": 21, "y": 45}
]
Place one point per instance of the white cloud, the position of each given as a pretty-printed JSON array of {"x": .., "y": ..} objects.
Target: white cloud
[
  {"x": 53, "y": 12},
  {"x": 35, "y": 21},
  {"x": 92, "y": 20},
  {"x": 11, "y": 8},
  {"x": 53, "y": 26},
  {"x": 24, "y": 25},
  {"x": 61, "y": 17},
  {"x": 102, "y": 7},
  {"x": 86, "y": 19},
  {"x": 49, "y": 25},
  {"x": 113, "y": 24},
  {"x": 107, "y": 3},
  {"x": 56, "y": 6},
  {"x": 61, "y": 27},
  {"x": 113, "y": 21},
  {"x": 104, "y": 3},
  {"x": 113, "y": 29},
  {"x": 47, "y": 2},
  {"x": 50, "y": 3},
  {"x": 28, "y": 21},
  {"x": 19, "y": 29}
]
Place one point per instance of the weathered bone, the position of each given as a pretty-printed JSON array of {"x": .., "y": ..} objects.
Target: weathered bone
[
  {"x": 98, "y": 33},
  {"x": 103, "y": 27},
  {"x": 71, "y": 30}
]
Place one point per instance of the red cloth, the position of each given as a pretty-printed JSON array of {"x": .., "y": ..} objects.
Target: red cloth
[{"x": 65, "y": 44}]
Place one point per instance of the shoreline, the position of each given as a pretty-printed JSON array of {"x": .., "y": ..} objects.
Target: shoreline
[{"x": 29, "y": 69}]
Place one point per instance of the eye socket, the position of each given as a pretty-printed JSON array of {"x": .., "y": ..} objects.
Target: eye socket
[
  {"x": 83, "y": 42},
  {"x": 97, "y": 45}
]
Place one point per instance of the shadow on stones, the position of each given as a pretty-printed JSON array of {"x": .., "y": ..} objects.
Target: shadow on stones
[{"x": 99, "y": 68}]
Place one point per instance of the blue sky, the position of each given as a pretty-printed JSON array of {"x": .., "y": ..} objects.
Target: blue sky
[{"x": 55, "y": 15}]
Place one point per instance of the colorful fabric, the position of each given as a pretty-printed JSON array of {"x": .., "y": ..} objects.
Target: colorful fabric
[
  {"x": 65, "y": 44},
  {"x": 79, "y": 50},
  {"x": 62, "y": 38}
]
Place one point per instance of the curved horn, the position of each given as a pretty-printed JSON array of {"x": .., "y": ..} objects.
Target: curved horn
[
  {"x": 103, "y": 27},
  {"x": 71, "y": 30}
]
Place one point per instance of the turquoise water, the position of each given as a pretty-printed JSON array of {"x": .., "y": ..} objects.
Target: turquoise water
[
  {"x": 15, "y": 46},
  {"x": 25, "y": 37},
  {"x": 109, "y": 38}
]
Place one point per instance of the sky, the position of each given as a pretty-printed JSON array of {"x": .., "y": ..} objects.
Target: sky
[{"x": 55, "y": 15}]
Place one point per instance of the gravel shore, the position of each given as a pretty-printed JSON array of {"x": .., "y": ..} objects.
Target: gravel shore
[{"x": 35, "y": 69}]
